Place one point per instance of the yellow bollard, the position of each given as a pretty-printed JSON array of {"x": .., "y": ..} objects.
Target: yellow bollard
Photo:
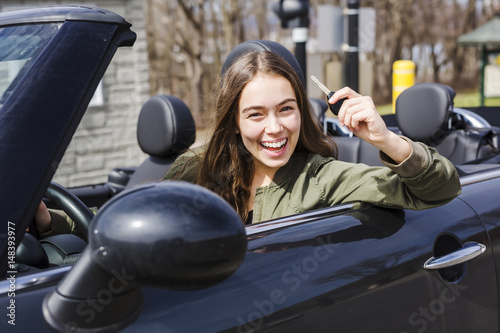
[{"x": 403, "y": 76}]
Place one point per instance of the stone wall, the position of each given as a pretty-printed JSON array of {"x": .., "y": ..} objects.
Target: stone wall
[{"x": 106, "y": 137}]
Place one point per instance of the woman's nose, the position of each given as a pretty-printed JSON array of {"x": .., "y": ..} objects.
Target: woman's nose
[{"x": 273, "y": 125}]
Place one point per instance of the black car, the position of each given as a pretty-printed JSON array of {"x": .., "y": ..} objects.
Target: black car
[{"x": 173, "y": 257}]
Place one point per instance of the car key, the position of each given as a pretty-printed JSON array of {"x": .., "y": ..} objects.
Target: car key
[{"x": 335, "y": 108}]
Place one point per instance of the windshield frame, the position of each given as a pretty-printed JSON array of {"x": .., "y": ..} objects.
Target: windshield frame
[{"x": 40, "y": 116}]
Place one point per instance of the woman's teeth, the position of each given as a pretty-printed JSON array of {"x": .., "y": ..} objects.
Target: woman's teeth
[{"x": 274, "y": 145}]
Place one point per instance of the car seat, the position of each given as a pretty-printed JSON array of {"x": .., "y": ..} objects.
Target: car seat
[
  {"x": 424, "y": 112},
  {"x": 355, "y": 150},
  {"x": 165, "y": 129}
]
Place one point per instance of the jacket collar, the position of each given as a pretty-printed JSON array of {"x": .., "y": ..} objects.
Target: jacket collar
[{"x": 289, "y": 170}]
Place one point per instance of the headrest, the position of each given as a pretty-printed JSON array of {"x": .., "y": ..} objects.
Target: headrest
[
  {"x": 423, "y": 111},
  {"x": 263, "y": 45},
  {"x": 165, "y": 126},
  {"x": 318, "y": 107}
]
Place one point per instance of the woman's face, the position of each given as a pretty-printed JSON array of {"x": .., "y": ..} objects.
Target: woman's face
[{"x": 269, "y": 122}]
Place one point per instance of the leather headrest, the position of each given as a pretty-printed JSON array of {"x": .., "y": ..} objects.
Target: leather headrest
[
  {"x": 318, "y": 108},
  {"x": 423, "y": 111},
  {"x": 263, "y": 45},
  {"x": 165, "y": 126}
]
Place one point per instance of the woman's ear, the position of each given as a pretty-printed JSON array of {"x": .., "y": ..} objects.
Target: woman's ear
[{"x": 237, "y": 131}]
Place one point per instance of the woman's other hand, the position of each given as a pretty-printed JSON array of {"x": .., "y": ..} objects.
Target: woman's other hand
[{"x": 42, "y": 218}]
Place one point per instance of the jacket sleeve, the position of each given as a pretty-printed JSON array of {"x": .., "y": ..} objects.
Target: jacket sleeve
[
  {"x": 61, "y": 224},
  {"x": 185, "y": 167},
  {"x": 424, "y": 180}
]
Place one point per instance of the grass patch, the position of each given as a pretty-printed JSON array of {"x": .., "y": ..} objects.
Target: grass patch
[
  {"x": 472, "y": 99},
  {"x": 462, "y": 100},
  {"x": 384, "y": 109}
]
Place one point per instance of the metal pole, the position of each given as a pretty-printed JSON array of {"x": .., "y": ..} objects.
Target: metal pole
[
  {"x": 484, "y": 60},
  {"x": 352, "y": 51},
  {"x": 299, "y": 37}
]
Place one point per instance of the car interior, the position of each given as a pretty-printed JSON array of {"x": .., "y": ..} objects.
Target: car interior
[
  {"x": 165, "y": 129},
  {"x": 425, "y": 113}
]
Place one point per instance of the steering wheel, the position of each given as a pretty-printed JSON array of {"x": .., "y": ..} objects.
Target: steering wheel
[
  {"x": 30, "y": 250},
  {"x": 72, "y": 206}
]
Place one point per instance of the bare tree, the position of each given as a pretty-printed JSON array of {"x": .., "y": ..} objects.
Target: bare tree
[
  {"x": 456, "y": 53},
  {"x": 189, "y": 39}
]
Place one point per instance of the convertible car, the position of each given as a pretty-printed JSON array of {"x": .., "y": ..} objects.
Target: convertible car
[{"x": 174, "y": 257}]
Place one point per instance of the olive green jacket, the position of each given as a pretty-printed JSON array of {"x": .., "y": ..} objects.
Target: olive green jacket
[
  {"x": 310, "y": 181},
  {"x": 61, "y": 224}
]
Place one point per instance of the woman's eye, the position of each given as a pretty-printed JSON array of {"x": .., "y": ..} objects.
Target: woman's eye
[
  {"x": 253, "y": 115},
  {"x": 286, "y": 108}
]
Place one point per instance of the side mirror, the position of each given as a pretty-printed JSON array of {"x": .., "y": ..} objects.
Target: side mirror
[{"x": 171, "y": 234}]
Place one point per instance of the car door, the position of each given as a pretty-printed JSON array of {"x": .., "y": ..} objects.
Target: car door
[{"x": 346, "y": 269}]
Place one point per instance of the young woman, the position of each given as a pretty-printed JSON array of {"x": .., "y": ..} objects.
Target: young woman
[{"x": 268, "y": 157}]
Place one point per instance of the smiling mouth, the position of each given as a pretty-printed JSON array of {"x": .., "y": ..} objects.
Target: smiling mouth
[{"x": 274, "y": 146}]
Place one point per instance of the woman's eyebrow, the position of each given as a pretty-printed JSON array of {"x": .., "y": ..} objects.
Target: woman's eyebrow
[
  {"x": 261, "y": 107},
  {"x": 288, "y": 100},
  {"x": 252, "y": 108}
]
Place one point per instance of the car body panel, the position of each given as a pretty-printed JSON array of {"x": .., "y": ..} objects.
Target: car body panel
[
  {"x": 487, "y": 207},
  {"x": 360, "y": 272}
]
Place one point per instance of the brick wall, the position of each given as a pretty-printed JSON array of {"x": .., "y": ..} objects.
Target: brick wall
[{"x": 106, "y": 137}]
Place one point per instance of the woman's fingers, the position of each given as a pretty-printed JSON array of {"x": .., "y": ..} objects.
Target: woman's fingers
[
  {"x": 361, "y": 117},
  {"x": 43, "y": 218},
  {"x": 345, "y": 92},
  {"x": 358, "y": 113},
  {"x": 354, "y": 106}
]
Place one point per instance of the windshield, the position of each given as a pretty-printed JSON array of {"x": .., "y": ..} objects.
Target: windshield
[{"x": 19, "y": 45}]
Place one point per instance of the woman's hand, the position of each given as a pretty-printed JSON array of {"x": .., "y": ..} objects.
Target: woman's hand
[
  {"x": 359, "y": 115},
  {"x": 42, "y": 218}
]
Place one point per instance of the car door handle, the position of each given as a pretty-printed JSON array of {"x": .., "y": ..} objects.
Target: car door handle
[{"x": 469, "y": 251}]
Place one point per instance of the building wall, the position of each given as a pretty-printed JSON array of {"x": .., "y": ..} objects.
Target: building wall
[{"x": 106, "y": 137}]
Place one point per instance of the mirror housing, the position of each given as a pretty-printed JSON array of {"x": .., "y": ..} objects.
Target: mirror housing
[{"x": 171, "y": 234}]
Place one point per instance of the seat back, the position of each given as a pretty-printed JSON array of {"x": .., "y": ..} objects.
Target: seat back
[
  {"x": 355, "y": 150},
  {"x": 165, "y": 129},
  {"x": 318, "y": 109}
]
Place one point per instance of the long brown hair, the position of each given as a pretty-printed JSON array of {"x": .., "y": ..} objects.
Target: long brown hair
[{"x": 227, "y": 167}]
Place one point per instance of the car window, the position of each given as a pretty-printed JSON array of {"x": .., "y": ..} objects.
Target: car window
[{"x": 19, "y": 45}]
